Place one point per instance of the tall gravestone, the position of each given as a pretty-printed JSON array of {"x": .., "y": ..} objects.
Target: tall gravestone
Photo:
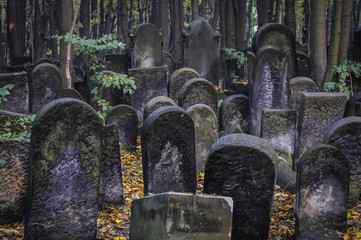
[
  {"x": 46, "y": 81},
  {"x": 66, "y": 151},
  {"x": 178, "y": 79},
  {"x": 322, "y": 185},
  {"x": 201, "y": 49},
  {"x": 156, "y": 103},
  {"x": 147, "y": 46},
  {"x": 168, "y": 151},
  {"x": 269, "y": 83},
  {"x": 234, "y": 110},
  {"x": 242, "y": 166},
  {"x": 299, "y": 85},
  {"x": 119, "y": 63},
  {"x": 346, "y": 136}
]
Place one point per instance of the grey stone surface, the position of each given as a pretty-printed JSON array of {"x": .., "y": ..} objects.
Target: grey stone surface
[
  {"x": 69, "y": 93},
  {"x": 206, "y": 133},
  {"x": 242, "y": 166},
  {"x": 156, "y": 103},
  {"x": 286, "y": 177},
  {"x": 178, "y": 79},
  {"x": 171, "y": 216},
  {"x": 168, "y": 151},
  {"x": 346, "y": 136},
  {"x": 168, "y": 62},
  {"x": 119, "y": 63},
  {"x": 314, "y": 233},
  {"x": 323, "y": 177},
  {"x": 299, "y": 85},
  {"x": 353, "y": 106},
  {"x": 231, "y": 130},
  {"x": 303, "y": 64},
  {"x": 234, "y": 110}
]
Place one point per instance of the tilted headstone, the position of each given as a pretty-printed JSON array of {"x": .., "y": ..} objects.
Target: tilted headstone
[
  {"x": 150, "y": 82},
  {"x": 323, "y": 177},
  {"x": 206, "y": 132},
  {"x": 319, "y": 111},
  {"x": 18, "y": 99},
  {"x": 119, "y": 63},
  {"x": 196, "y": 91},
  {"x": 147, "y": 46},
  {"x": 69, "y": 93},
  {"x": 178, "y": 79},
  {"x": 127, "y": 121},
  {"x": 156, "y": 103},
  {"x": 299, "y": 85},
  {"x": 269, "y": 84},
  {"x": 242, "y": 166},
  {"x": 279, "y": 128},
  {"x": 181, "y": 216},
  {"x": 346, "y": 136},
  {"x": 234, "y": 110},
  {"x": 66, "y": 151},
  {"x": 201, "y": 49},
  {"x": 303, "y": 64},
  {"x": 46, "y": 81},
  {"x": 353, "y": 106},
  {"x": 168, "y": 151}
]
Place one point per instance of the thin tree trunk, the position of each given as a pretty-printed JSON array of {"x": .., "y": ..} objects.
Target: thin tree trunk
[
  {"x": 177, "y": 41},
  {"x": 140, "y": 10},
  {"x": 195, "y": 10},
  {"x": 215, "y": 15},
  {"x": 346, "y": 26},
  {"x": 230, "y": 25},
  {"x": 52, "y": 28},
  {"x": 2, "y": 42},
  {"x": 202, "y": 8},
  {"x": 222, "y": 23},
  {"x": 262, "y": 10},
  {"x": 163, "y": 8},
  {"x": 249, "y": 17},
  {"x": 279, "y": 11},
  {"x": 41, "y": 26},
  {"x": 155, "y": 13},
  {"x": 124, "y": 22},
  {"x": 131, "y": 20},
  {"x": 271, "y": 15},
  {"x": 101, "y": 18},
  {"x": 290, "y": 16},
  {"x": 240, "y": 15},
  {"x": 108, "y": 18},
  {"x": 95, "y": 26},
  {"x": 357, "y": 13},
  {"x": 85, "y": 18}
]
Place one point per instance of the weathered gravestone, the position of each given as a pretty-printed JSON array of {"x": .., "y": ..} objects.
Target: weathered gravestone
[
  {"x": 323, "y": 177},
  {"x": 319, "y": 111},
  {"x": 242, "y": 166},
  {"x": 353, "y": 106},
  {"x": 286, "y": 177},
  {"x": 69, "y": 93},
  {"x": 147, "y": 46},
  {"x": 156, "y": 103},
  {"x": 277, "y": 35},
  {"x": 46, "y": 81},
  {"x": 303, "y": 64},
  {"x": 234, "y": 110},
  {"x": 150, "y": 82},
  {"x": 269, "y": 84},
  {"x": 15, "y": 169},
  {"x": 119, "y": 63},
  {"x": 66, "y": 151},
  {"x": 315, "y": 233},
  {"x": 127, "y": 121},
  {"x": 206, "y": 133},
  {"x": 346, "y": 136},
  {"x": 279, "y": 128},
  {"x": 198, "y": 90},
  {"x": 18, "y": 100},
  {"x": 299, "y": 85},
  {"x": 201, "y": 49},
  {"x": 168, "y": 62},
  {"x": 42, "y": 60},
  {"x": 181, "y": 216},
  {"x": 178, "y": 79},
  {"x": 168, "y": 151}
]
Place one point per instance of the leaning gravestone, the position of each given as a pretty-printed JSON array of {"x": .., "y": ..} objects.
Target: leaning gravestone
[
  {"x": 198, "y": 90},
  {"x": 346, "y": 136},
  {"x": 299, "y": 85},
  {"x": 46, "y": 81},
  {"x": 201, "y": 49},
  {"x": 18, "y": 100},
  {"x": 206, "y": 133},
  {"x": 156, "y": 103},
  {"x": 242, "y": 166},
  {"x": 147, "y": 46},
  {"x": 269, "y": 84},
  {"x": 66, "y": 151},
  {"x": 234, "y": 110},
  {"x": 168, "y": 151},
  {"x": 323, "y": 177},
  {"x": 178, "y": 79}
]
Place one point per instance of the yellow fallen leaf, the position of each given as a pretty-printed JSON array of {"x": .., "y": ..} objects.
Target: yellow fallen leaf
[
  {"x": 358, "y": 235},
  {"x": 346, "y": 237},
  {"x": 118, "y": 220}
]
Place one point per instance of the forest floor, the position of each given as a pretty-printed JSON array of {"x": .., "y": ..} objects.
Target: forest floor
[{"x": 114, "y": 223}]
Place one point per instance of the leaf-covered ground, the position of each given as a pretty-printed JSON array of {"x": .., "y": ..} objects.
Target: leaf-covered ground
[{"x": 114, "y": 223}]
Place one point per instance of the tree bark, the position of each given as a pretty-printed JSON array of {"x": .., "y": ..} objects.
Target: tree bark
[
  {"x": 95, "y": 25},
  {"x": 101, "y": 17},
  {"x": 2, "y": 42},
  {"x": 262, "y": 10},
  {"x": 195, "y": 10},
  {"x": 141, "y": 11},
  {"x": 290, "y": 16},
  {"x": 230, "y": 25},
  {"x": 222, "y": 22},
  {"x": 249, "y": 17},
  {"x": 108, "y": 18},
  {"x": 202, "y": 8},
  {"x": 177, "y": 34},
  {"x": 215, "y": 15},
  {"x": 357, "y": 13},
  {"x": 53, "y": 29},
  {"x": 155, "y": 13},
  {"x": 40, "y": 29},
  {"x": 163, "y": 8},
  {"x": 124, "y": 26},
  {"x": 279, "y": 11},
  {"x": 346, "y": 26},
  {"x": 240, "y": 15}
]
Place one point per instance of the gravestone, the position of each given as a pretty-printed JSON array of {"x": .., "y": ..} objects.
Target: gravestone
[
  {"x": 286, "y": 177},
  {"x": 206, "y": 133},
  {"x": 147, "y": 46},
  {"x": 299, "y": 85},
  {"x": 242, "y": 166},
  {"x": 303, "y": 64},
  {"x": 269, "y": 85},
  {"x": 277, "y": 35},
  {"x": 234, "y": 110},
  {"x": 346, "y": 136},
  {"x": 168, "y": 62},
  {"x": 18, "y": 99},
  {"x": 150, "y": 82},
  {"x": 323, "y": 177},
  {"x": 127, "y": 121},
  {"x": 46, "y": 81},
  {"x": 119, "y": 63},
  {"x": 69, "y": 93},
  {"x": 178, "y": 79},
  {"x": 315, "y": 233},
  {"x": 42, "y": 60},
  {"x": 168, "y": 152},
  {"x": 353, "y": 106},
  {"x": 279, "y": 128},
  {"x": 319, "y": 111},
  {"x": 156, "y": 103},
  {"x": 201, "y": 49},
  {"x": 196, "y": 91},
  {"x": 66, "y": 151},
  {"x": 181, "y": 216}
]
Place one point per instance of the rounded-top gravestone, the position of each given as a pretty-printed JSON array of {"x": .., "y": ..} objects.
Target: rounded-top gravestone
[
  {"x": 178, "y": 79},
  {"x": 299, "y": 85},
  {"x": 234, "y": 110},
  {"x": 156, "y": 103}
]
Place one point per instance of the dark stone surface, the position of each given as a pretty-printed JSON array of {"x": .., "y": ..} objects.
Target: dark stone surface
[
  {"x": 156, "y": 103},
  {"x": 66, "y": 150},
  {"x": 168, "y": 62},
  {"x": 314, "y": 233},
  {"x": 69, "y": 93},
  {"x": 303, "y": 64},
  {"x": 42, "y": 60},
  {"x": 234, "y": 110},
  {"x": 168, "y": 151},
  {"x": 242, "y": 166},
  {"x": 178, "y": 79},
  {"x": 299, "y": 85},
  {"x": 119, "y": 63},
  {"x": 346, "y": 136},
  {"x": 323, "y": 176},
  {"x": 352, "y": 106},
  {"x": 231, "y": 130},
  {"x": 169, "y": 216},
  {"x": 18, "y": 100}
]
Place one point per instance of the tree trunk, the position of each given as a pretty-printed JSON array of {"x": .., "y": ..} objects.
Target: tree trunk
[
  {"x": 271, "y": 13},
  {"x": 2, "y": 42},
  {"x": 101, "y": 17},
  {"x": 177, "y": 34},
  {"x": 262, "y": 10},
  {"x": 249, "y": 17},
  {"x": 163, "y": 8},
  {"x": 195, "y": 10},
  {"x": 95, "y": 25},
  {"x": 240, "y": 22},
  {"x": 222, "y": 22},
  {"x": 123, "y": 20},
  {"x": 290, "y": 16},
  {"x": 346, "y": 26},
  {"x": 279, "y": 11},
  {"x": 53, "y": 45},
  {"x": 328, "y": 21},
  {"x": 154, "y": 19},
  {"x": 40, "y": 29},
  {"x": 131, "y": 20},
  {"x": 215, "y": 15},
  {"x": 202, "y": 8},
  {"x": 108, "y": 19},
  {"x": 306, "y": 29},
  {"x": 140, "y": 10},
  {"x": 85, "y": 18},
  {"x": 230, "y": 25},
  {"x": 357, "y": 12}
]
